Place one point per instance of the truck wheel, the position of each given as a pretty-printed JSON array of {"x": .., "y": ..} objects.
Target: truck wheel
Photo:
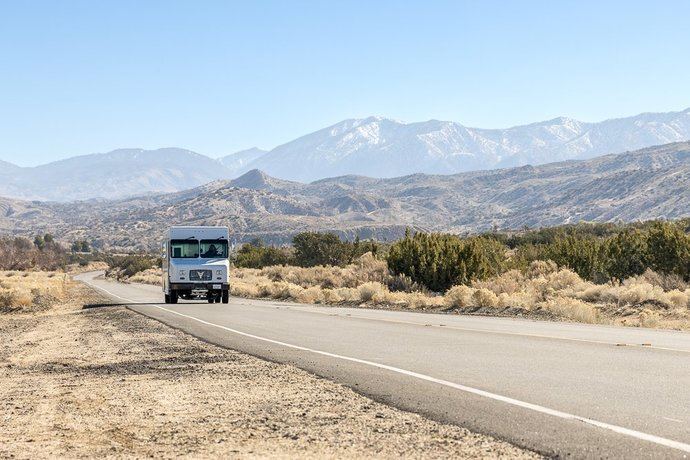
[
  {"x": 173, "y": 296},
  {"x": 167, "y": 298},
  {"x": 210, "y": 298},
  {"x": 226, "y": 296}
]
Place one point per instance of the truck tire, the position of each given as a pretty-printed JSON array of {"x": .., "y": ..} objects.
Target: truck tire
[
  {"x": 173, "y": 296},
  {"x": 226, "y": 296},
  {"x": 167, "y": 298},
  {"x": 210, "y": 297}
]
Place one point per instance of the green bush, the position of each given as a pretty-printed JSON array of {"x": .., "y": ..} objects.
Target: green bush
[
  {"x": 439, "y": 261},
  {"x": 583, "y": 255},
  {"x": 257, "y": 255},
  {"x": 314, "y": 248},
  {"x": 626, "y": 254},
  {"x": 668, "y": 249},
  {"x": 629, "y": 251}
]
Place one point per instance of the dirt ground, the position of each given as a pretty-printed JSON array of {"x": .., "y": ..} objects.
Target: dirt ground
[{"x": 109, "y": 382}]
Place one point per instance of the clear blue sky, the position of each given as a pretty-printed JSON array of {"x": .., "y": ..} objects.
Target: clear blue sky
[{"x": 79, "y": 77}]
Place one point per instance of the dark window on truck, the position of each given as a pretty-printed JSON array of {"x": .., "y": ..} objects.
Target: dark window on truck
[
  {"x": 211, "y": 249},
  {"x": 184, "y": 249}
]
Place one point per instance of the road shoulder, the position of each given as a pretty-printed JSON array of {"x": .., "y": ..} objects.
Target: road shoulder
[{"x": 109, "y": 382}]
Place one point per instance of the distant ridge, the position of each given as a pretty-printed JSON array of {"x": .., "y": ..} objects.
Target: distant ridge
[
  {"x": 373, "y": 147},
  {"x": 6, "y": 166},
  {"x": 646, "y": 184}
]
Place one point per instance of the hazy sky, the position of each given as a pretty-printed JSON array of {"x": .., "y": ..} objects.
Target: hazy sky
[{"x": 79, "y": 77}]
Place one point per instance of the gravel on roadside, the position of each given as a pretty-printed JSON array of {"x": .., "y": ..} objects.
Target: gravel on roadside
[{"x": 109, "y": 382}]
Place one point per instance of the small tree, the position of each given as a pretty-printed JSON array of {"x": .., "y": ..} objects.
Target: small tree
[
  {"x": 313, "y": 248},
  {"x": 256, "y": 255},
  {"x": 668, "y": 249},
  {"x": 81, "y": 246},
  {"x": 39, "y": 242},
  {"x": 583, "y": 255},
  {"x": 626, "y": 254}
]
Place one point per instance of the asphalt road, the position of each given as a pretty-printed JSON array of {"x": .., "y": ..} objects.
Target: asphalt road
[{"x": 560, "y": 389}]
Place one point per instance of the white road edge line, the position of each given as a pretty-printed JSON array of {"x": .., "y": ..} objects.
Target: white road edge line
[{"x": 515, "y": 402}]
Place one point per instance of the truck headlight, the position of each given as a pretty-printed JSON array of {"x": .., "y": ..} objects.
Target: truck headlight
[
  {"x": 219, "y": 272},
  {"x": 182, "y": 272}
]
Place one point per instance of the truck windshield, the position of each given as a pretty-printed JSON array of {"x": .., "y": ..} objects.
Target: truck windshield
[
  {"x": 214, "y": 248},
  {"x": 184, "y": 249}
]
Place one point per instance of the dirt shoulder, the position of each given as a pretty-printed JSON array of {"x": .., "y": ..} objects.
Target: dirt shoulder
[{"x": 109, "y": 382}]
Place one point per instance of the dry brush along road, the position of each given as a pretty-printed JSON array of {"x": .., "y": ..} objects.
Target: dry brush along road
[{"x": 558, "y": 388}]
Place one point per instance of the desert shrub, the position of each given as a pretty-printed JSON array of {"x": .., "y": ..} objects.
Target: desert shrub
[
  {"x": 44, "y": 253},
  {"x": 570, "y": 308},
  {"x": 80, "y": 246},
  {"x": 667, "y": 281},
  {"x": 679, "y": 299},
  {"x": 649, "y": 318},
  {"x": 372, "y": 292},
  {"x": 258, "y": 255},
  {"x": 149, "y": 276},
  {"x": 584, "y": 255},
  {"x": 550, "y": 234},
  {"x": 506, "y": 283},
  {"x": 7, "y": 298},
  {"x": 669, "y": 249},
  {"x": 626, "y": 254},
  {"x": 314, "y": 248},
  {"x": 439, "y": 261},
  {"x": 364, "y": 269},
  {"x": 484, "y": 298},
  {"x": 608, "y": 251},
  {"x": 33, "y": 290},
  {"x": 312, "y": 294},
  {"x": 403, "y": 283},
  {"x": 129, "y": 265},
  {"x": 459, "y": 296}
]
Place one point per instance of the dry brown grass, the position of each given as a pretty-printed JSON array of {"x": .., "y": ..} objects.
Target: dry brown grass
[
  {"x": 31, "y": 291},
  {"x": 543, "y": 287},
  {"x": 89, "y": 267},
  {"x": 648, "y": 300},
  {"x": 561, "y": 291},
  {"x": 150, "y": 276}
]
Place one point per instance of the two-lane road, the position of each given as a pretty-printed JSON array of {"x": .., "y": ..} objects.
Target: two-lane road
[{"x": 561, "y": 389}]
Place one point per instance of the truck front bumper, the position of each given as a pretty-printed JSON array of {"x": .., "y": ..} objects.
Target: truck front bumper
[{"x": 199, "y": 286}]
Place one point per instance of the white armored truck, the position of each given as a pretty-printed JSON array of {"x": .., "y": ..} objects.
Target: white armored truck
[{"x": 196, "y": 264}]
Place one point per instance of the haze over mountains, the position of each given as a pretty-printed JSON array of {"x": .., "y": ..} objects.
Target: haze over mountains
[
  {"x": 646, "y": 184},
  {"x": 375, "y": 147}
]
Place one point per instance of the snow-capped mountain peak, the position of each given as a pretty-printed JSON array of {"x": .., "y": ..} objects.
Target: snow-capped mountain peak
[{"x": 383, "y": 147}]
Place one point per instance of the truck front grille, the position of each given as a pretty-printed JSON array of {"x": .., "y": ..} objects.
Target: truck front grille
[{"x": 199, "y": 275}]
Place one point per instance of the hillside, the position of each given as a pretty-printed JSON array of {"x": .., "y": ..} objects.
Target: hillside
[
  {"x": 374, "y": 147},
  {"x": 645, "y": 184}
]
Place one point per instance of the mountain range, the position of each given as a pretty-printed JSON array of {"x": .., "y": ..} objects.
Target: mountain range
[
  {"x": 646, "y": 184},
  {"x": 374, "y": 147}
]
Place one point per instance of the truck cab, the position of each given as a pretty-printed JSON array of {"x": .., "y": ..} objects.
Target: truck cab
[{"x": 196, "y": 264}]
